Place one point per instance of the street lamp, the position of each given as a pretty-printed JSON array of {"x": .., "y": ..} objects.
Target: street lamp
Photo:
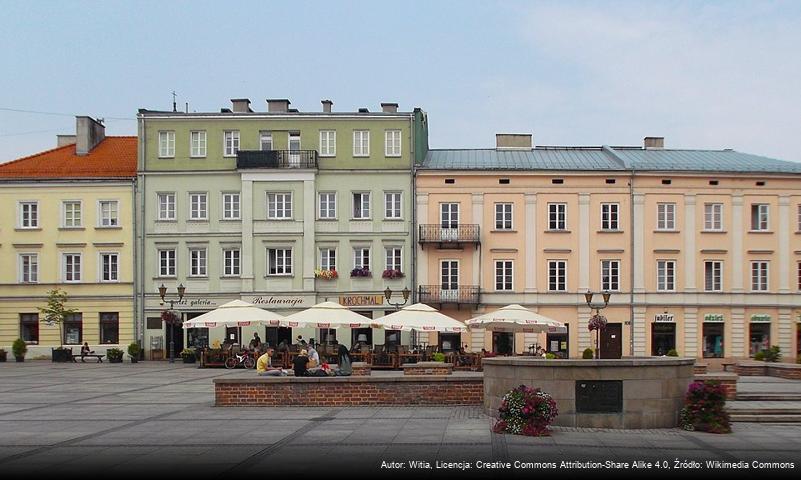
[
  {"x": 598, "y": 307},
  {"x": 162, "y": 294},
  {"x": 388, "y": 295}
]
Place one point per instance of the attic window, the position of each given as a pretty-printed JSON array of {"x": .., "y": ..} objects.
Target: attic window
[
  {"x": 760, "y": 184},
  {"x": 558, "y": 181},
  {"x": 450, "y": 180},
  {"x": 610, "y": 181},
  {"x": 667, "y": 181},
  {"x": 713, "y": 182},
  {"x": 503, "y": 181}
]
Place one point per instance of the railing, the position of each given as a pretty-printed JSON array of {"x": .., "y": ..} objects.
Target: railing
[
  {"x": 437, "y": 233},
  {"x": 276, "y": 159},
  {"x": 467, "y": 294}
]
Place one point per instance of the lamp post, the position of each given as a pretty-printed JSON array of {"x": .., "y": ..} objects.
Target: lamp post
[
  {"x": 598, "y": 307},
  {"x": 162, "y": 294},
  {"x": 388, "y": 295}
]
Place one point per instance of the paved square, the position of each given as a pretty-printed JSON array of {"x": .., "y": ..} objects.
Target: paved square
[{"x": 153, "y": 417}]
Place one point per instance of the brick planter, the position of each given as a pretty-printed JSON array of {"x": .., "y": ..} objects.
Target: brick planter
[
  {"x": 699, "y": 368},
  {"x": 790, "y": 371},
  {"x": 728, "y": 380},
  {"x": 428, "y": 368}
]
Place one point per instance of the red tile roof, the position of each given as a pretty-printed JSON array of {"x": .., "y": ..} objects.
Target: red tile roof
[{"x": 113, "y": 157}]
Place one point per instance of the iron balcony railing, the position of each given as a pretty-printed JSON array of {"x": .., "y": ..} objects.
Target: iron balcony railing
[
  {"x": 276, "y": 159},
  {"x": 438, "y": 233},
  {"x": 466, "y": 294}
]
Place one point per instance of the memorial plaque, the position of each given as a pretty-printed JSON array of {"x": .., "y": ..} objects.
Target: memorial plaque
[{"x": 599, "y": 396}]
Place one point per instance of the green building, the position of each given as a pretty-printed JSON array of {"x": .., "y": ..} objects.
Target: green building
[{"x": 283, "y": 209}]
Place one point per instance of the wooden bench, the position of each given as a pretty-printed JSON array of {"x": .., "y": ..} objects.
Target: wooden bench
[{"x": 98, "y": 356}]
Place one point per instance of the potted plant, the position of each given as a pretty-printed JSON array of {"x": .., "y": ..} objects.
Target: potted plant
[
  {"x": 705, "y": 408},
  {"x": 392, "y": 273},
  {"x": 19, "y": 348},
  {"x": 54, "y": 313},
  {"x": 3, "y": 355},
  {"x": 360, "y": 272},
  {"x": 133, "y": 352},
  {"x": 587, "y": 354},
  {"x": 188, "y": 355},
  {"x": 114, "y": 355},
  {"x": 438, "y": 357},
  {"x": 672, "y": 353},
  {"x": 526, "y": 411}
]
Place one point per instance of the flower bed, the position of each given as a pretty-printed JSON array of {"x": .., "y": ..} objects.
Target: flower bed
[
  {"x": 704, "y": 408},
  {"x": 390, "y": 273},
  {"x": 360, "y": 272},
  {"x": 326, "y": 274},
  {"x": 526, "y": 411}
]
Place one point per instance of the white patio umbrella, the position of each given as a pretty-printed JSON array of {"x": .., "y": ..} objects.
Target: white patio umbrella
[
  {"x": 516, "y": 318},
  {"x": 419, "y": 317},
  {"x": 235, "y": 313},
  {"x": 326, "y": 315}
]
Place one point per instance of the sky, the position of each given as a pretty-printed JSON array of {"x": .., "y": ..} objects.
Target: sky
[{"x": 701, "y": 74}]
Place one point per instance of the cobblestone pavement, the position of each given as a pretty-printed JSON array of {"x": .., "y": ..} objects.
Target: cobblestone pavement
[{"x": 152, "y": 417}]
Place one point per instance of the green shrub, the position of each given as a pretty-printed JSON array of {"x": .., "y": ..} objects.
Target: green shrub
[
  {"x": 672, "y": 353},
  {"x": 114, "y": 354},
  {"x": 587, "y": 355},
  {"x": 19, "y": 348},
  {"x": 550, "y": 356},
  {"x": 759, "y": 356},
  {"x": 438, "y": 357},
  {"x": 187, "y": 352},
  {"x": 133, "y": 350},
  {"x": 773, "y": 354}
]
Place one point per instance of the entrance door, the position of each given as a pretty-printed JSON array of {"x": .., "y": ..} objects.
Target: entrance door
[
  {"x": 274, "y": 335},
  {"x": 503, "y": 343},
  {"x": 449, "y": 221},
  {"x": 759, "y": 337},
  {"x": 449, "y": 281},
  {"x": 557, "y": 343},
  {"x": 449, "y": 342},
  {"x": 177, "y": 338},
  {"x": 663, "y": 338},
  {"x": 232, "y": 334},
  {"x": 612, "y": 341}
]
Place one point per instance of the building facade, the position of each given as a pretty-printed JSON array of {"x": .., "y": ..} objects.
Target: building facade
[
  {"x": 700, "y": 250},
  {"x": 67, "y": 222},
  {"x": 283, "y": 209}
]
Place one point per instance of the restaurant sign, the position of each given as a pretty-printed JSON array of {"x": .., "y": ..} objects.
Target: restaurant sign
[
  {"x": 664, "y": 317},
  {"x": 760, "y": 317},
  {"x": 714, "y": 317},
  {"x": 361, "y": 300},
  {"x": 278, "y": 301}
]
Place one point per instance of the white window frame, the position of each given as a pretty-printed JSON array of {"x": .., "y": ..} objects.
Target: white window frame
[
  {"x": 285, "y": 205},
  {"x": 713, "y": 217},
  {"x": 557, "y": 220},
  {"x": 392, "y": 254},
  {"x": 760, "y": 283},
  {"x": 763, "y": 217},
  {"x": 610, "y": 216},
  {"x": 452, "y": 283},
  {"x": 359, "y": 256},
  {"x": 666, "y": 216},
  {"x": 232, "y": 263},
  {"x": 112, "y": 221},
  {"x": 171, "y": 265},
  {"x": 716, "y": 281},
  {"x": 392, "y": 143},
  {"x": 74, "y": 276},
  {"x": 283, "y": 262},
  {"x": 33, "y": 267},
  {"x": 266, "y": 138},
  {"x": 330, "y": 210},
  {"x": 235, "y": 210},
  {"x": 504, "y": 216},
  {"x": 114, "y": 275},
  {"x": 505, "y": 278},
  {"x": 65, "y": 215},
  {"x": 560, "y": 275},
  {"x": 663, "y": 280},
  {"x": 610, "y": 275},
  {"x": 166, "y": 143},
  {"x": 230, "y": 148},
  {"x": 327, "y": 254},
  {"x": 195, "y": 215},
  {"x": 198, "y": 145},
  {"x": 328, "y": 143},
  {"x": 198, "y": 262},
  {"x": 32, "y": 214},
  {"x": 390, "y": 204},
  {"x": 167, "y": 209},
  {"x": 362, "y": 204},
  {"x": 361, "y": 143}
]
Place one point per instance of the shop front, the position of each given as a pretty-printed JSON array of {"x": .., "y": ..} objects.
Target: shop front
[
  {"x": 712, "y": 335},
  {"x": 758, "y": 333},
  {"x": 663, "y": 334}
]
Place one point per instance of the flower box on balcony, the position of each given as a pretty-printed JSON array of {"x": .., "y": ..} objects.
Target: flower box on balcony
[
  {"x": 390, "y": 273},
  {"x": 326, "y": 274},
  {"x": 360, "y": 272}
]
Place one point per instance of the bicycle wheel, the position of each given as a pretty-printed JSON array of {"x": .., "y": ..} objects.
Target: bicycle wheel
[
  {"x": 230, "y": 362},
  {"x": 249, "y": 362}
]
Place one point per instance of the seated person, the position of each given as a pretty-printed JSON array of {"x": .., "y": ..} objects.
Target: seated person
[
  {"x": 345, "y": 362},
  {"x": 314, "y": 357},
  {"x": 283, "y": 346},
  {"x": 85, "y": 350},
  {"x": 255, "y": 343},
  {"x": 264, "y": 365},
  {"x": 300, "y": 364}
]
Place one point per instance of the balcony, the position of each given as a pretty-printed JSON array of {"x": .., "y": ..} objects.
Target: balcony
[
  {"x": 462, "y": 295},
  {"x": 449, "y": 237},
  {"x": 276, "y": 159}
]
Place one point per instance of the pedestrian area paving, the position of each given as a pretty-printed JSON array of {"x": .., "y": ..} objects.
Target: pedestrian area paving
[{"x": 153, "y": 417}]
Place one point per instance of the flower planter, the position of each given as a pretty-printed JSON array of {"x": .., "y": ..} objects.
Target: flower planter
[
  {"x": 19, "y": 359},
  {"x": 62, "y": 355},
  {"x": 134, "y": 360},
  {"x": 189, "y": 359}
]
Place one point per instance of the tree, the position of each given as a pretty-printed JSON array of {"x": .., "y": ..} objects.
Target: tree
[{"x": 55, "y": 311}]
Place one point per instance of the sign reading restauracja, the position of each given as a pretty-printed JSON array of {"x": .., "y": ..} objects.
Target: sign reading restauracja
[{"x": 266, "y": 301}]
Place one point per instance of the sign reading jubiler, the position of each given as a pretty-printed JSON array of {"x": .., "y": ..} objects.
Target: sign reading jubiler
[{"x": 664, "y": 317}]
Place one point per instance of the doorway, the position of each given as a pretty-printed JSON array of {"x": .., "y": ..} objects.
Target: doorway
[
  {"x": 759, "y": 336},
  {"x": 449, "y": 342},
  {"x": 503, "y": 343},
  {"x": 557, "y": 343},
  {"x": 174, "y": 331},
  {"x": 713, "y": 340},
  {"x": 612, "y": 341},
  {"x": 275, "y": 335},
  {"x": 232, "y": 335},
  {"x": 663, "y": 338}
]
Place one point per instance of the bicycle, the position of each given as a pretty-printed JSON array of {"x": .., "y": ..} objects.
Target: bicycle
[{"x": 237, "y": 359}]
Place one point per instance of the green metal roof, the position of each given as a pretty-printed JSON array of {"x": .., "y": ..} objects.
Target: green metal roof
[{"x": 606, "y": 158}]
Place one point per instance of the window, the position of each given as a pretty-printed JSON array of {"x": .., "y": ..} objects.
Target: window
[
  {"x": 557, "y": 275},
  {"x": 713, "y": 216},
  {"x": 294, "y": 149},
  {"x": 197, "y": 262},
  {"x": 279, "y": 261},
  {"x": 231, "y": 143},
  {"x": 666, "y": 275},
  {"x": 328, "y": 205},
  {"x": 328, "y": 143},
  {"x": 29, "y": 268},
  {"x": 610, "y": 275},
  {"x": 361, "y": 205},
  {"x": 328, "y": 259},
  {"x": 361, "y": 258},
  {"x": 610, "y": 216},
  {"x": 713, "y": 276},
  {"x": 394, "y": 258},
  {"x": 449, "y": 215},
  {"x": 392, "y": 143},
  {"x": 166, "y": 144},
  {"x": 557, "y": 216},
  {"x": 166, "y": 263},
  {"x": 73, "y": 329},
  {"x": 231, "y": 262},
  {"x": 198, "y": 206},
  {"x": 503, "y": 275},
  {"x": 29, "y": 215},
  {"x": 665, "y": 216},
  {"x": 72, "y": 214},
  {"x": 231, "y": 206},
  {"x": 265, "y": 140},
  {"x": 109, "y": 213},
  {"x": 361, "y": 143},
  {"x": 29, "y": 327},
  {"x": 71, "y": 267},
  {"x": 759, "y": 276},
  {"x": 759, "y": 217},
  {"x": 279, "y": 206},
  {"x": 197, "y": 143},
  {"x": 503, "y": 216},
  {"x": 109, "y": 327},
  {"x": 449, "y": 277},
  {"x": 110, "y": 264},
  {"x": 392, "y": 205},
  {"x": 166, "y": 206}
]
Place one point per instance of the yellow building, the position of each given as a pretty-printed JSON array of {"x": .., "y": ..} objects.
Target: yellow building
[{"x": 66, "y": 222}]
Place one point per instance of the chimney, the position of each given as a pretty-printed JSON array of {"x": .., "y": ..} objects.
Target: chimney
[
  {"x": 327, "y": 104},
  {"x": 62, "y": 140},
  {"x": 513, "y": 141},
  {"x": 653, "y": 142},
  {"x": 88, "y": 133},
  {"x": 364, "y": 110},
  {"x": 389, "y": 107},
  {"x": 277, "y": 105},
  {"x": 240, "y": 105}
]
